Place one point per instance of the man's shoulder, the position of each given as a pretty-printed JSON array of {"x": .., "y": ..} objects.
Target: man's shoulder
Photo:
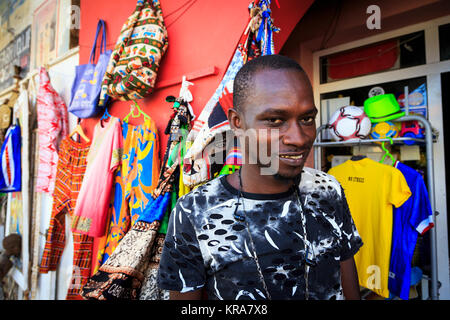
[
  {"x": 317, "y": 180},
  {"x": 211, "y": 188}
]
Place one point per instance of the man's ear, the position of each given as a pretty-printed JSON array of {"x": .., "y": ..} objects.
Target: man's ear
[{"x": 235, "y": 119}]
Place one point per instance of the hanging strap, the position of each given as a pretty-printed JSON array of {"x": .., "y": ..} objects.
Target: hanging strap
[{"x": 100, "y": 25}]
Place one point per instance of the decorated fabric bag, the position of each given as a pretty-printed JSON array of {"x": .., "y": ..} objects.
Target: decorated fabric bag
[
  {"x": 88, "y": 79},
  {"x": 134, "y": 63}
]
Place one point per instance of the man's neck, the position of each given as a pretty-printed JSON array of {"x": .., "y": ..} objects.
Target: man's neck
[{"x": 254, "y": 182}]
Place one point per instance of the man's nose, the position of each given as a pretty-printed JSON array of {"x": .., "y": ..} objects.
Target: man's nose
[{"x": 295, "y": 136}]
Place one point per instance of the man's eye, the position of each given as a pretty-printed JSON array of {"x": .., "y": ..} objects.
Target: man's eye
[
  {"x": 307, "y": 120},
  {"x": 274, "y": 121}
]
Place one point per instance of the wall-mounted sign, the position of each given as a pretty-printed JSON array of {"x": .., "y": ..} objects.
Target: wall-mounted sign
[{"x": 16, "y": 53}]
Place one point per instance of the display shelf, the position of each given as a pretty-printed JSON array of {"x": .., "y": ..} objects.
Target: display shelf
[
  {"x": 358, "y": 142},
  {"x": 428, "y": 142}
]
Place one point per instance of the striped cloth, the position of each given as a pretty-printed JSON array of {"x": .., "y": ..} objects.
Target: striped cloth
[{"x": 70, "y": 173}]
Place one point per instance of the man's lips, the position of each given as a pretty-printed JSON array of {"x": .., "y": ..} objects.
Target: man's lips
[{"x": 292, "y": 155}]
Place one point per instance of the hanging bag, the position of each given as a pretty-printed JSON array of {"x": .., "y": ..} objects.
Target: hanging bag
[
  {"x": 87, "y": 84},
  {"x": 134, "y": 63}
]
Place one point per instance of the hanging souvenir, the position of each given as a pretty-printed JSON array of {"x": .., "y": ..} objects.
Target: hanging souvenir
[
  {"x": 212, "y": 122},
  {"x": 127, "y": 268},
  {"x": 134, "y": 63},
  {"x": 88, "y": 79}
]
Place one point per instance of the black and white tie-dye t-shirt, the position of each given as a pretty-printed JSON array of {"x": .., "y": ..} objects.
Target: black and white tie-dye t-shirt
[{"x": 206, "y": 246}]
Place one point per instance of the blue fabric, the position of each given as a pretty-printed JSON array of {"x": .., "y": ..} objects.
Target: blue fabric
[
  {"x": 11, "y": 173},
  {"x": 410, "y": 219},
  {"x": 88, "y": 80},
  {"x": 156, "y": 209}
]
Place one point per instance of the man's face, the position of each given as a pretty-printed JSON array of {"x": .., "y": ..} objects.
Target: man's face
[{"x": 282, "y": 105}]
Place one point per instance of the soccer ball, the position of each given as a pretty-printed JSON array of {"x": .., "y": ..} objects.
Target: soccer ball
[
  {"x": 382, "y": 130},
  {"x": 349, "y": 123}
]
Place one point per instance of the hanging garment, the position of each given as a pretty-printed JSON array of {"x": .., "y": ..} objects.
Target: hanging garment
[
  {"x": 105, "y": 155},
  {"x": 10, "y": 173},
  {"x": 414, "y": 217},
  {"x": 372, "y": 189},
  {"x": 121, "y": 276},
  {"x": 53, "y": 125},
  {"x": 126, "y": 270},
  {"x": 179, "y": 124},
  {"x": 212, "y": 122},
  {"x": 71, "y": 169},
  {"x": 134, "y": 182}
]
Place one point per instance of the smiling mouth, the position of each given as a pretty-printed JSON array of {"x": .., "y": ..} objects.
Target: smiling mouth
[{"x": 291, "y": 156}]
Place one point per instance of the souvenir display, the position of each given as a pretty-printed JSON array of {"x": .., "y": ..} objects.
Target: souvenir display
[
  {"x": 88, "y": 80},
  {"x": 134, "y": 64}
]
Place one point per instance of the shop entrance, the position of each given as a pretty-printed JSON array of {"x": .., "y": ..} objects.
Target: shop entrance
[{"x": 445, "y": 85}]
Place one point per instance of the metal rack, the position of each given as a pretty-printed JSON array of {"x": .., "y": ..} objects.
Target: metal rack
[{"x": 428, "y": 141}]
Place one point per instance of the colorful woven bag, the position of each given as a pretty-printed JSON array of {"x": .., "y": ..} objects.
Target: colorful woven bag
[{"x": 134, "y": 63}]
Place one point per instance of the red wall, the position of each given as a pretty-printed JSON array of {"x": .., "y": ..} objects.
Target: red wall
[{"x": 201, "y": 37}]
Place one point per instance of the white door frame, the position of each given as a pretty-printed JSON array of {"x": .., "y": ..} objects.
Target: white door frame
[{"x": 432, "y": 71}]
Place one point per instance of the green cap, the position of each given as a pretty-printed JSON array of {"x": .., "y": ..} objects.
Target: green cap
[{"x": 383, "y": 107}]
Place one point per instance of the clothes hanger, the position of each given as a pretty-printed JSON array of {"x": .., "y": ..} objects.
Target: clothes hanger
[
  {"x": 79, "y": 130},
  {"x": 387, "y": 153},
  {"x": 357, "y": 157},
  {"x": 105, "y": 115},
  {"x": 133, "y": 107}
]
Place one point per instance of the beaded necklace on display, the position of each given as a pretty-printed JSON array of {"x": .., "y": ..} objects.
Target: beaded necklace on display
[{"x": 309, "y": 256}]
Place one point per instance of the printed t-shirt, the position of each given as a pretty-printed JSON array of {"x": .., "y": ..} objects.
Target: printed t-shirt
[
  {"x": 205, "y": 246},
  {"x": 414, "y": 217},
  {"x": 134, "y": 182},
  {"x": 105, "y": 153},
  {"x": 372, "y": 189}
]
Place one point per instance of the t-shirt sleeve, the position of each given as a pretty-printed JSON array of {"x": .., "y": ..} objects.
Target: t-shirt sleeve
[
  {"x": 422, "y": 217},
  {"x": 399, "y": 191},
  {"x": 181, "y": 267},
  {"x": 350, "y": 238}
]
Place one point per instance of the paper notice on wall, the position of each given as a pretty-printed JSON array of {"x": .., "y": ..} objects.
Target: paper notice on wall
[
  {"x": 417, "y": 101},
  {"x": 410, "y": 153}
]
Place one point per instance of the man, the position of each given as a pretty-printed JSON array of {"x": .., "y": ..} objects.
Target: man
[{"x": 248, "y": 235}]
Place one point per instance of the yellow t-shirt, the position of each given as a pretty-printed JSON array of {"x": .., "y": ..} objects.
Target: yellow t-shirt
[{"x": 372, "y": 189}]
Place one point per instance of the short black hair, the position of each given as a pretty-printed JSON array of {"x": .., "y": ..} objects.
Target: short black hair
[{"x": 243, "y": 81}]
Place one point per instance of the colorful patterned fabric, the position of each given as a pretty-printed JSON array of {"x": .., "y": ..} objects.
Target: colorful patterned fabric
[
  {"x": 104, "y": 157},
  {"x": 134, "y": 182},
  {"x": 53, "y": 124},
  {"x": 122, "y": 275},
  {"x": 212, "y": 122},
  {"x": 134, "y": 63},
  {"x": 126, "y": 270},
  {"x": 10, "y": 159},
  {"x": 71, "y": 169}
]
